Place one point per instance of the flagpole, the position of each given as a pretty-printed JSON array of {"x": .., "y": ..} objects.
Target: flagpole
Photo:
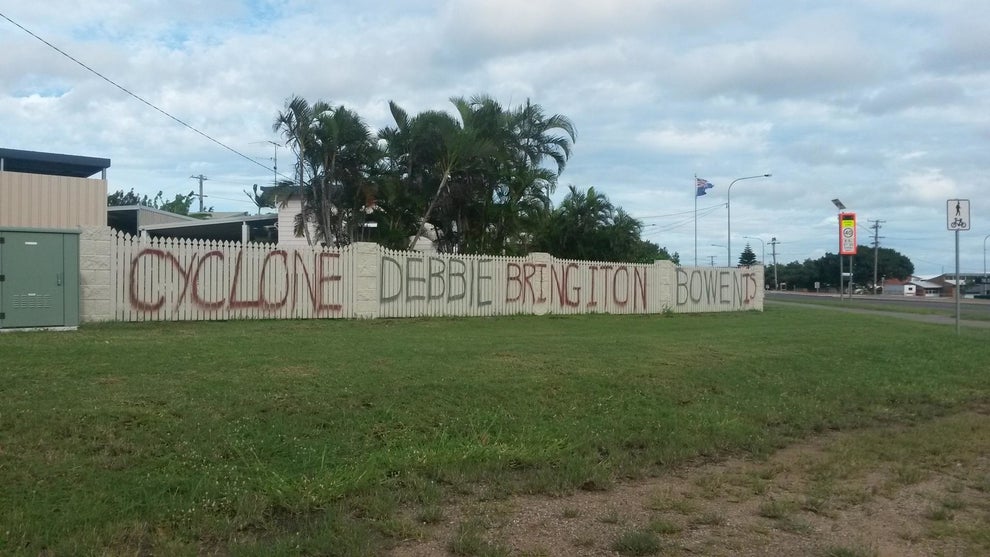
[{"x": 695, "y": 220}]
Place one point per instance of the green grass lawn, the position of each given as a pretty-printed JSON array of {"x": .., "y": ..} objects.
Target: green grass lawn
[{"x": 253, "y": 438}]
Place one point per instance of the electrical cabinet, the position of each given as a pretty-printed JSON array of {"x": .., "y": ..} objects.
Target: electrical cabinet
[{"x": 39, "y": 278}]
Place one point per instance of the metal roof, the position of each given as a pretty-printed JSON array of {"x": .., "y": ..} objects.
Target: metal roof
[
  {"x": 128, "y": 218},
  {"x": 262, "y": 226},
  {"x": 51, "y": 164}
]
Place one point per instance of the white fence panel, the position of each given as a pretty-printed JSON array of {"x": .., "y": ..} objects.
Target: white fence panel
[
  {"x": 177, "y": 279},
  {"x": 717, "y": 289},
  {"x": 602, "y": 287},
  {"x": 173, "y": 279}
]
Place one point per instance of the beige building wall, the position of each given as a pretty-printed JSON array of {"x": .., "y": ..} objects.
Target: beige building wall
[
  {"x": 41, "y": 201},
  {"x": 286, "y": 225}
]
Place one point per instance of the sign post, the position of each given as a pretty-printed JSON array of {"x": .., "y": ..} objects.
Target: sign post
[
  {"x": 847, "y": 246},
  {"x": 956, "y": 219}
]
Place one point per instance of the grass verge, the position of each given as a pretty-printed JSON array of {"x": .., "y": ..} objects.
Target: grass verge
[{"x": 310, "y": 437}]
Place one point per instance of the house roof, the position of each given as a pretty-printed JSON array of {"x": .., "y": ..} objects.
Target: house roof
[
  {"x": 51, "y": 164},
  {"x": 129, "y": 218},
  {"x": 228, "y": 228},
  {"x": 924, "y": 284}
]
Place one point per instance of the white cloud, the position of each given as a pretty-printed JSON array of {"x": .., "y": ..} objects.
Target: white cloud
[
  {"x": 927, "y": 186},
  {"x": 707, "y": 137},
  {"x": 514, "y": 25},
  {"x": 922, "y": 94}
]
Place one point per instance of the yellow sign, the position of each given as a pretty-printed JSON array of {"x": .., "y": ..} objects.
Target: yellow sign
[{"x": 847, "y": 234}]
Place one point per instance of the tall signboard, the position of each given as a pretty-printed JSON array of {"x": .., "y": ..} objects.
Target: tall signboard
[
  {"x": 957, "y": 214},
  {"x": 847, "y": 233},
  {"x": 957, "y": 219}
]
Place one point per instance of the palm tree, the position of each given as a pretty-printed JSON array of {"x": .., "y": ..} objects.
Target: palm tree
[
  {"x": 574, "y": 230},
  {"x": 540, "y": 136},
  {"x": 479, "y": 178},
  {"x": 336, "y": 148},
  {"x": 295, "y": 123},
  {"x": 342, "y": 157},
  {"x": 507, "y": 171},
  {"x": 424, "y": 150}
]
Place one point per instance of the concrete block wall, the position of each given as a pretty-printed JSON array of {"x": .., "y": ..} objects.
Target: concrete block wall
[
  {"x": 95, "y": 293},
  {"x": 366, "y": 271}
]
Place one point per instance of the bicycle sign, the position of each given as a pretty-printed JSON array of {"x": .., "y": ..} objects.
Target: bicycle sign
[{"x": 957, "y": 214}]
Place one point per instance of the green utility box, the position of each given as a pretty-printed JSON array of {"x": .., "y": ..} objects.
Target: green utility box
[{"x": 39, "y": 278}]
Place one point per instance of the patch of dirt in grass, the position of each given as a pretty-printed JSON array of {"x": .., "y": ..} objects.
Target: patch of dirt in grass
[{"x": 831, "y": 495}]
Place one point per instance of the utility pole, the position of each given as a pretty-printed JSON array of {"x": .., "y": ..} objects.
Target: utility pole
[
  {"x": 201, "y": 178},
  {"x": 275, "y": 159},
  {"x": 876, "y": 246},
  {"x": 712, "y": 258},
  {"x": 773, "y": 244}
]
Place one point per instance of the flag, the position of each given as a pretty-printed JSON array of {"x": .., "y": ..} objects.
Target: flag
[{"x": 702, "y": 186}]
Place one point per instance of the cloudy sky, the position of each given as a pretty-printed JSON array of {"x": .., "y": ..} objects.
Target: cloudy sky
[{"x": 884, "y": 104}]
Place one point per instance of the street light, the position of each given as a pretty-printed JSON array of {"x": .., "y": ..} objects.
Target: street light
[
  {"x": 841, "y": 207},
  {"x": 763, "y": 249},
  {"x": 985, "y": 264},
  {"x": 773, "y": 242},
  {"x": 728, "y": 209}
]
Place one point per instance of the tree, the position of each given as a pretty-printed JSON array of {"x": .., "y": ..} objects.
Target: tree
[
  {"x": 415, "y": 151},
  {"x": 747, "y": 257},
  {"x": 262, "y": 199},
  {"x": 825, "y": 269},
  {"x": 120, "y": 199},
  {"x": 588, "y": 226},
  {"x": 337, "y": 159},
  {"x": 179, "y": 205},
  {"x": 344, "y": 158},
  {"x": 480, "y": 179},
  {"x": 294, "y": 124}
]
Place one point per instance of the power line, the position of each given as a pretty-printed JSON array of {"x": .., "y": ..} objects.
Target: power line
[
  {"x": 685, "y": 222},
  {"x": 709, "y": 208},
  {"x": 125, "y": 90}
]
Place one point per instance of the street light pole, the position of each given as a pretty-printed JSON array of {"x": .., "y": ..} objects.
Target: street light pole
[
  {"x": 841, "y": 207},
  {"x": 773, "y": 242},
  {"x": 984, "y": 265},
  {"x": 763, "y": 249},
  {"x": 728, "y": 210}
]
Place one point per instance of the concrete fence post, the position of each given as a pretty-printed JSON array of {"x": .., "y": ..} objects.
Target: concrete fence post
[
  {"x": 366, "y": 279},
  {"x": 666, "y": 273}
]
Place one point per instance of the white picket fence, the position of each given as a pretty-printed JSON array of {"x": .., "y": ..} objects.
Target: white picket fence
[
  {"x": 177, "y": 280},
  {"x": 180, "y": 280}
]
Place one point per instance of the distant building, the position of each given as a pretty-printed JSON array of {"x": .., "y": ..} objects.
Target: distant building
[
  {"x": 972, "y": 283},
  {"x": 913, "y": 286},
  {"x": 228, "y": 227}
]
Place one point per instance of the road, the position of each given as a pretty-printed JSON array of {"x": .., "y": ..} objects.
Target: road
[{"x": 975, "y": 313}]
